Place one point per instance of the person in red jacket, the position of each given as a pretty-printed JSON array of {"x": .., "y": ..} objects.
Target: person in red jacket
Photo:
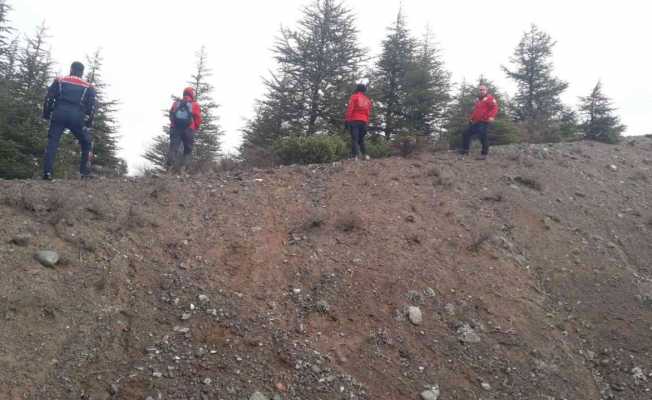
[
  {"x": 484, "y": 113},
  {"x": 185, "y": 119},
  {"x": 357, "y": 119}
]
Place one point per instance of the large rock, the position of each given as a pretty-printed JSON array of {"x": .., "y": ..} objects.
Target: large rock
[
  {"x": 47, "y": 258},
  {"x": 415, "y": 315},
  {"x": 431, "y": 394}
]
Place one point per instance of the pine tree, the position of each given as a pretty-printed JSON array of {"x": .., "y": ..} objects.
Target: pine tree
[
  {"x": 537, "y": 100},
  {"x": 317, "y": 65},
  {"x": 25, "y": 133},
  {"x": 392, "y": 82},
  {"x": 207, "y": 147},
  {"x": 320, "y": 59},
  {"x": 599, "y": 121},
  {"x": 428, "y": 91},
  {"x": 105, "y": 126},
  {"x": 275, "y": 117},
  {"x": 501, "y": 131},
  {"x": 207, "y": 140},
  {"x": 5, "y": 41}
]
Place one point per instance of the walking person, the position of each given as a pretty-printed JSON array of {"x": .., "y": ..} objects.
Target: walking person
[
  {"x": 69, "y": 104},
  {"x": 357, "y": 120},
  {"x": 185, "y": 120},
  {"x": 484, "y": 113}
]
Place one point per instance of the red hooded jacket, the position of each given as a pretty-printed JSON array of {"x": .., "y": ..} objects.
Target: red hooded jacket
[
  {"x": 485, "y": 109},
  {"x": 189, "y": 96},
  {"x": 359, "y": 108}
]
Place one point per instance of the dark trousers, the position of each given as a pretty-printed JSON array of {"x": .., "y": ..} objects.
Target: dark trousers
[
  {"x": 177, "y": 138},
  {"x": 73, "y": 121},
  {"x": 481, "y": 130},
  {"x": 358, "y": 132}
]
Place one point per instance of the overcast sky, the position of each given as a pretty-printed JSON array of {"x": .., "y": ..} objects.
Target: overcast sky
[{"x": 149, "y": 47}]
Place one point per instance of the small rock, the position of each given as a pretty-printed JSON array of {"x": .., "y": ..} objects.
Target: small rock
[
  {"x": 207, "y": 381},
  {"x": 415, "y": 315},
  {"x": 157, "y": 374},
  {"x": 466, "y": 334},
  {"x": 203, "y": 298},
  {"x": 429, "y": 292},
  {"x": 323, "y": 307},
  {"x": 450, "y": 309},
  {"x": 638, "y": 375},
  {"x": 21, "y": 240},
  {"x": 277, "y": 397},
  {"x": 613, "y": 167},
  {"x": 185, "y": 316},
  {"x": 258, "y": 396},
  {"x": 415, "y": 297},
  {"x": 47, "y": 258},
  {"x": 431, "y": 394},
  {"x": 485, "y": 386}
]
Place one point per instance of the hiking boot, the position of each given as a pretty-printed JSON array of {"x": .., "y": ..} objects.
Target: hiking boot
[
  {"x": 481, "y": 157},
  {"x": 87, "y": 177},
  {"x": 47, "y": 176}
]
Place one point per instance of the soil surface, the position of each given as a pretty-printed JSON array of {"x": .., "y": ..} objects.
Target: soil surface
[{"x": 525, "y": 276}]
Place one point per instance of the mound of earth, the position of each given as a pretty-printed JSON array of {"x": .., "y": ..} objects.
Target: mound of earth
[{"x": 526, "y": 276}]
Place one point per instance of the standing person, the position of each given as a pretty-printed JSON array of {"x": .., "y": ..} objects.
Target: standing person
[
  {"x": 484, "y": 113},
  {"x": 185, "y": 119},
  {"x": 357, "y": 119},
  {"x": 69, "y": 104}
]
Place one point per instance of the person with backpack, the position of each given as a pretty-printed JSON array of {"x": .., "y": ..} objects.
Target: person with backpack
[
  {"x": 484, "y": 113},
  {"x": 69, "y": 104},
  {"x": 185, "y": 119},
  {"x": 357, "y": 120}
]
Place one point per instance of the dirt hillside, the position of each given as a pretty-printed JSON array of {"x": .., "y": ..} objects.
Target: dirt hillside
[{"x": 526, "y": 276}]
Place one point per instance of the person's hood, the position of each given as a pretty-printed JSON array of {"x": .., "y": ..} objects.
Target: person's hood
[{"x": 189, "y": 93}]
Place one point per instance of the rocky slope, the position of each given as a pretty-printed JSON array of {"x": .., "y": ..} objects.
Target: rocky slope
[{"x": 526, "y": 276}]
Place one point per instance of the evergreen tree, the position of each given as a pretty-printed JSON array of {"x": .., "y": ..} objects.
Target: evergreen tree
[
  {"x": 320, "y": 59},
  {"x": 206, "y": 148},
  {"x": 537, "y": 100},
  {"x": 599, "y": 121},
  {"x": 428, "y": 92},
  {"x": 501, "y": 131},
  {"x": 272, "y": 120},
  {"x": 207, "y": 140},
  {"x": 105, "y": 126},
  {"x": 157, "y": 154},
  {"x": 391, "y": 84},
  {"x": 5, "y": 41},
  {"x": 317, "y": 65},
  {"x": 24, "y": 131}
]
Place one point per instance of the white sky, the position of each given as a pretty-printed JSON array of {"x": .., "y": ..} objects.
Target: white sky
[{"x": 149, "y": 47}]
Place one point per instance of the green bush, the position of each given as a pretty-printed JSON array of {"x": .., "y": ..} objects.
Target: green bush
[
  {"x": 502, "y": 131},
  {"x": 378, "y": 147},
  {"x": 310, "y": 149}
]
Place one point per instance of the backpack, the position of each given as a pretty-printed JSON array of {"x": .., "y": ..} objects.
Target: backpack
[{"x": 182, "y": 115}]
